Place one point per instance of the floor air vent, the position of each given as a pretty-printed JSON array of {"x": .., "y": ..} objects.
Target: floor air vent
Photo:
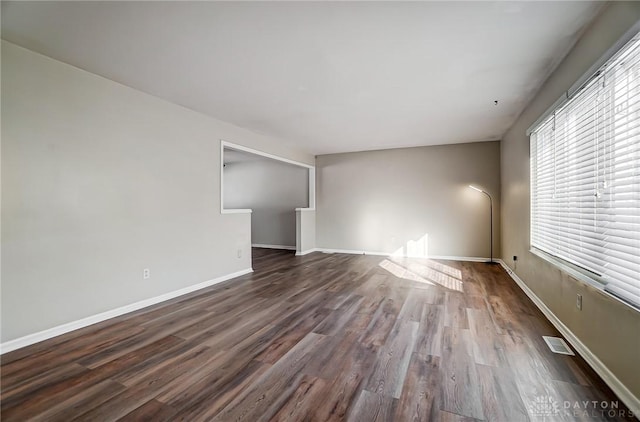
[{"x": 558, "y": 345}]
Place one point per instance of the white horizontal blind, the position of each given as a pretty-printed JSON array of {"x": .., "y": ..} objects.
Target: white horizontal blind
[{"x": 585, "y": 177}]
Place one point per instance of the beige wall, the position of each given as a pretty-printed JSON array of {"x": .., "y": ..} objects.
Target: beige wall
[
  {"x": 404, "y": 200},
  {"x": 100, "y": 181},
  {"x": 272, "y": 190},
  {"x": 610, "y": 329}
]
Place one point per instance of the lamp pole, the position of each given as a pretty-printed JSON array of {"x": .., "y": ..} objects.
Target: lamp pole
[{"x": 490, "y": 219}]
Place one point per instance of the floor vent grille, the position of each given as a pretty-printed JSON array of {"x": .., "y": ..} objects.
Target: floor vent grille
[{"x": 558, "y": 345}]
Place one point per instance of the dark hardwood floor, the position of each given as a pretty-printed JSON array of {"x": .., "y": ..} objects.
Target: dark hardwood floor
[{"x": 320, "y": 337}]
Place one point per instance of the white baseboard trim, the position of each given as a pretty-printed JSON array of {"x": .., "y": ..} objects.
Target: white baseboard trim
[
  {"x": 308, "y": 251},
  {"x": 376, "y": 253},
  {"x": 461, "y": 258},
  {"x": 30, "y": 339},
  {"x": 261, "y": 245},
  {"x": 351, "y": 251},
  {"x": 625, "y": 395}
]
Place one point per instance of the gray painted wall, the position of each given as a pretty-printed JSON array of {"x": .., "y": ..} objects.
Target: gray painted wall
[
  {"x": 100, "y": 181},
  {"x": 387, "y": 201},
  {"x": 273, "y": 190},
  {"x": 607, "y": 327}
]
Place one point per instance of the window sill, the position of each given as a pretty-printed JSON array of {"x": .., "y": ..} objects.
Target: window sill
[{"x": 579, "y": 275}]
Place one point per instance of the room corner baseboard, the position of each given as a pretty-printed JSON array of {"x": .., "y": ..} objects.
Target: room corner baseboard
[
  {"x": 625, "y": 395},
  {"x": 285, "y": 247},
  {"x": 308, "y": 251},
  {"x": 30, "y": 339}
]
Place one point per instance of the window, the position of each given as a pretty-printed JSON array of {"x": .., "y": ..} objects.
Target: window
[{"x": 585, "y": 177}]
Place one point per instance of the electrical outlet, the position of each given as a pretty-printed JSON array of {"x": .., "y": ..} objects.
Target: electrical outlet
[
  {"x": 239, "y": 253},
  {"x": 146, "y": 273},
  {"x": 579, "y": 301}
]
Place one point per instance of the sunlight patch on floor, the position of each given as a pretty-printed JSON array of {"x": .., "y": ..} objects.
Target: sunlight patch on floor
[
  {"x": 426, "y": 274},
  {"x": 401, "y": 272}
]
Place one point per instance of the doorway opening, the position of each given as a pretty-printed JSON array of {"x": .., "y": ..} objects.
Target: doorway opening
[{"x": 278, "y": 193}]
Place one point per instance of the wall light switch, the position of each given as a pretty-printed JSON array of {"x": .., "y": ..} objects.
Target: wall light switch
[{"x": 579, "y": 301}]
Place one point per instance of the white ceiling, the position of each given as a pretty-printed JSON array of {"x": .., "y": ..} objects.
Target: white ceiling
[{"x": 326, "y": 76}]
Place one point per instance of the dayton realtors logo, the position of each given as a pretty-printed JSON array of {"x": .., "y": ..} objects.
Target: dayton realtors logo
[
  {"x": 548, "y": 407},
  {"x": 544, "y": 406}
]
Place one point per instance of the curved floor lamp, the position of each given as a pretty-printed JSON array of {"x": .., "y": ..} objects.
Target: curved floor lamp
[{"x": 490, "y": 218}]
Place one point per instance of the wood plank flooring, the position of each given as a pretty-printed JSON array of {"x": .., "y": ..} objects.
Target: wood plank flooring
[{"x": 324, "y": 337}]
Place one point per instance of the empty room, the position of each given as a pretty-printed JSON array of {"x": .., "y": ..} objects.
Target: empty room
[{"x": 320, "y": 211}]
